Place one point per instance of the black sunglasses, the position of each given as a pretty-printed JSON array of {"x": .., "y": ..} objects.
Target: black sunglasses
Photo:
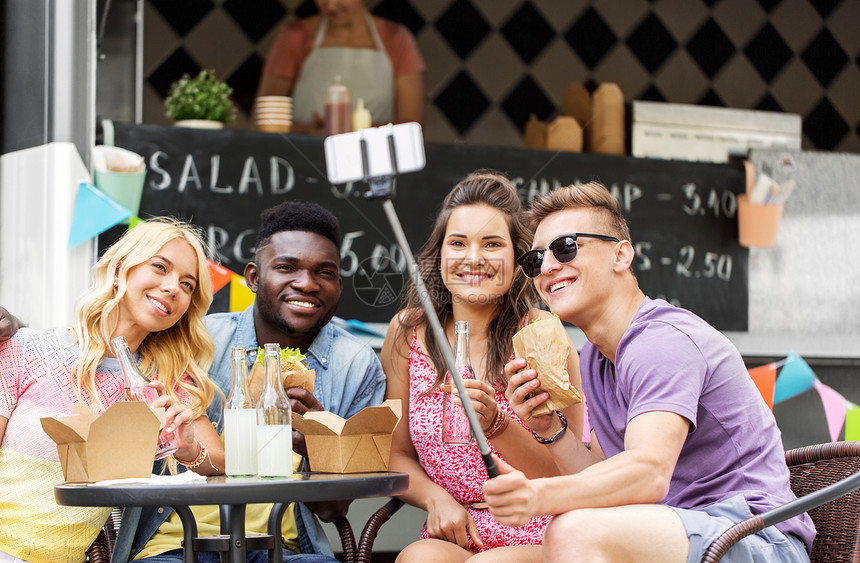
[{"x": 563, "y": 248}]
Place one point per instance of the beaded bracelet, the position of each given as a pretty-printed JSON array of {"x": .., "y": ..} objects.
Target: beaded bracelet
[
  {"x": 499, "y": 424},
  {"x": 201, "y": 456},
  {"x": 558, "y": 434}
]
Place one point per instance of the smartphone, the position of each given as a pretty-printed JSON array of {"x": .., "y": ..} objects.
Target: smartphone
[{"x": 347, "y": 161}]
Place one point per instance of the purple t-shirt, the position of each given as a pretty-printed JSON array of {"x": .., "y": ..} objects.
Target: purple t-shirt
[{"x": 671, "y": 360}]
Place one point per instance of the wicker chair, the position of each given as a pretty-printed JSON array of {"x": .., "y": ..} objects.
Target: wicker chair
[
  {"x": 825, "y": 478},
  {"x": 100, "y": 550}
]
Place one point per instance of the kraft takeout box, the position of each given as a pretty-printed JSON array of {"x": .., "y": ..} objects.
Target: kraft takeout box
[
  {"x": 360, "y": 444},
  {"x": 118, "y": 444}
]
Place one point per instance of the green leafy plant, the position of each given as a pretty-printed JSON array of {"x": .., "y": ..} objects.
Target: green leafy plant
[{"x": 201, "y": 97}]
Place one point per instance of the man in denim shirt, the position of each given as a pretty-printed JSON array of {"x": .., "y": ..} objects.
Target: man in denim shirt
[{"x": 296, "y": 277}]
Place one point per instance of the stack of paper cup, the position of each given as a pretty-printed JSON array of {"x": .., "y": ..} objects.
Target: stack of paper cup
[{"x": 274, "y": 114}]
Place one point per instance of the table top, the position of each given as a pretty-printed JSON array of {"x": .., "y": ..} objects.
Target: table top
[{"x": 301, "y": 487}]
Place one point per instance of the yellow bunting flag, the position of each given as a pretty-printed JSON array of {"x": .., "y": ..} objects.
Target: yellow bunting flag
[
  {"x": 764, "y": 378},
  {"x": 852, "y": 421},
  {"x": 220, "y": 275},
  {"x": 240, "y": 296}
]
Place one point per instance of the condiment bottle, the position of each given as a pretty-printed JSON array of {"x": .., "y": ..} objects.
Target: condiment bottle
[
  {"x": 338, "y": 107},
  {"x": 455, "y": 424},
  {"x": 136, "y": 388},
  {"x": 274, "y": 421},
  {"x": 360, "y": 116},
  {"x": 240, "y": 421}
]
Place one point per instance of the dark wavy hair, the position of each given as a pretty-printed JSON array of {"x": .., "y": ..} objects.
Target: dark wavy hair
[{"x": 481, "y": 187}]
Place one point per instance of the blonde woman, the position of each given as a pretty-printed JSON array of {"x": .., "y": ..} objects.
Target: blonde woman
[{"x": 152, "y": 287}]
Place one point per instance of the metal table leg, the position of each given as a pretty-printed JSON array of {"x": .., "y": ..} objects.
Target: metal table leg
[
  {"x": 234, "y": 516},
  {"x": 276, "y": 516},
  {"x": 189, "y": 532}
]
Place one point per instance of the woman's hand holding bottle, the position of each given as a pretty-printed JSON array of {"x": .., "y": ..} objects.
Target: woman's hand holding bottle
[{"x": 178, "y": 421}]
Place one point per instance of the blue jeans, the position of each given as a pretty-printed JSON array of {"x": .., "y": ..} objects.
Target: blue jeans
[{"x": 258, "y": 556}]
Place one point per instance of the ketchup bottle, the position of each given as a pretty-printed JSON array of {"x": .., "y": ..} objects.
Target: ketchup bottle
[{"x": 338, "y": 108}]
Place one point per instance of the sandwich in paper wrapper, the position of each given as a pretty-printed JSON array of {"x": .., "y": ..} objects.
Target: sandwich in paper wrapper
[
  {"x": 545, "y": 346},
  {"x": 294, "y": 372}
]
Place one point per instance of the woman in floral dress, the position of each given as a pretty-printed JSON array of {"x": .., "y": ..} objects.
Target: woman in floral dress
[{"x": 468, "y": 266}]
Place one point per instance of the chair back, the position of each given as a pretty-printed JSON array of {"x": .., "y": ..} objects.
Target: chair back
[{"x": 838, "y": 521}]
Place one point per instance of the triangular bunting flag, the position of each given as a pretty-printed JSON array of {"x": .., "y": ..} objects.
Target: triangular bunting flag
[
  {"x": 94, "y": 214},
  {"x": 240, "y": 296},
  {"x": 834, "y": 409},
  {"x": 852, "y": 421},
  {"x": 794, "y": 378},
  {"x": 764, "y": 378},
  {"x": 220, "y": 275},
  {"x": 134, "y": 222}
]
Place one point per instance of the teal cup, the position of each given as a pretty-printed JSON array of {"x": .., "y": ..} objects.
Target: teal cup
[{"x": 125, "y": 188}]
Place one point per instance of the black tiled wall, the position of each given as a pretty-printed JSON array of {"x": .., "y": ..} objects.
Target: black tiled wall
[{"x": 491, "y": 63}]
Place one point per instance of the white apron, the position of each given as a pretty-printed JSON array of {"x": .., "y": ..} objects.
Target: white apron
[{"x": 367, "y": 73}]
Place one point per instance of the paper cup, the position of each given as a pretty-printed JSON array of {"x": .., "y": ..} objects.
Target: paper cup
[
  {"x": 758, "y": 225},
  {"x": 274, "y": 127},
  {"x": 125, "y": 188}
]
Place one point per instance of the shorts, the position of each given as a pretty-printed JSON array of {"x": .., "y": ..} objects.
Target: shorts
[{"x": 704, "y": 525}]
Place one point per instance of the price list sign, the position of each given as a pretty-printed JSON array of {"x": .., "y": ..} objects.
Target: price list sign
[{"x": 682, "y": 215}]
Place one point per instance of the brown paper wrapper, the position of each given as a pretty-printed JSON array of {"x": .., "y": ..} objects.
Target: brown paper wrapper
[
  {"x": 545, "y": 347},
  {"x": 303, "y": 378}
]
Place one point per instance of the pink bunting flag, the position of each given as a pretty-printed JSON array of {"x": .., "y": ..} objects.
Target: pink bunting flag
[
  {"x": 586, "y": 427},
  {"x": 834, "y": 408}
]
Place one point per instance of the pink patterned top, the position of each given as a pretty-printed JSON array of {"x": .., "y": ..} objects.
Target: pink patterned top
[{"x": 458, "y": 469}]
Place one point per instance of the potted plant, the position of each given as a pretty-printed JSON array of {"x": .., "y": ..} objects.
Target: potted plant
[{"x": 203, "y": 101}]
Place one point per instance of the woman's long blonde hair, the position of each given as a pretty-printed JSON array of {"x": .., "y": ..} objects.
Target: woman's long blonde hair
[{"x": 184, "y": 348}]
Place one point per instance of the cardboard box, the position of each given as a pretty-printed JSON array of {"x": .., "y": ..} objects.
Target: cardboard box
[
  {"x": 360, "y": 444},
  {"x": 118, "y": 444}
]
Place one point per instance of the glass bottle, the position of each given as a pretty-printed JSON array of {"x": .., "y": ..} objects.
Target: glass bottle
[
  {"x": 136, "y": 388},
  {"x": 240, "y": 421},
  {"x": 274, "y": 421},
  {"x": 338, "y": 108},
  {"x": 455, "y": 424}
]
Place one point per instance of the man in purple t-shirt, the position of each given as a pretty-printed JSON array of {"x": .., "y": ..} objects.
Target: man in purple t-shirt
[{"x": 682, "y": 446}]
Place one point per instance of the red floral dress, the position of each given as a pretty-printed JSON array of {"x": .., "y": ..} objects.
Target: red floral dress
[{"x": 458, "y": 469}]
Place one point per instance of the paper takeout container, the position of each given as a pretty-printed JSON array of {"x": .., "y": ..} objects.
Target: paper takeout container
[
  {"x": 360, "y": 444},
  {"x": 118, "y": 444}
]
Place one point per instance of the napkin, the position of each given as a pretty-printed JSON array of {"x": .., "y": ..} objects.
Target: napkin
[{"x": 178, "y": 479}]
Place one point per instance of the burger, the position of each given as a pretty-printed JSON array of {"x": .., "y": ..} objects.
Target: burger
[{"x": 295, "y": 372}]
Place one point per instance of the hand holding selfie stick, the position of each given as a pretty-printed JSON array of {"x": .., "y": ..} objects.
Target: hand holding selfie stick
[{"x": 384, "y": 155}]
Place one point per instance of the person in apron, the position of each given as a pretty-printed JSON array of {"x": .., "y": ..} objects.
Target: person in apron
[
  {"x": 376, "y": 59},
  {"x": 367, "y": 74}
]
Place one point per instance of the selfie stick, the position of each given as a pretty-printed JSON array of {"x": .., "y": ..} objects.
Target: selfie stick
[{"x": 382, "y": 187}]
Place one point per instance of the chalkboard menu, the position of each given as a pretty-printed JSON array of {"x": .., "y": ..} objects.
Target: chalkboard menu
[{"x": 682, "y": 215}]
